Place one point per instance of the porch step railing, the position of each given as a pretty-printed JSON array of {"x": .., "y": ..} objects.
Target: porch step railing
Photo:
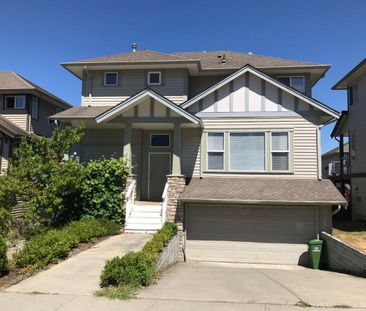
[
  {"x": 164, "y": 203},
  {"x": 130, "y": 199}
]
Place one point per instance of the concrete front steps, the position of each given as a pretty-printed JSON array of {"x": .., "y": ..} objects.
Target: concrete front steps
[{"x": 145, "y": 217}]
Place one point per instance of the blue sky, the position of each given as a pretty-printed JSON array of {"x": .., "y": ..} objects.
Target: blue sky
[{"x": 37, "y": 35}]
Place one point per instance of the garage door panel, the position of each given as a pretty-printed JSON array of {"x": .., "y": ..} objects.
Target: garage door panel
[{"x": 248, "y": 233}]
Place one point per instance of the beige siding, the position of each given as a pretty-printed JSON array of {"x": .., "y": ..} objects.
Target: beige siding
[
  {"x": 4, "y": 155},
  {"x": 174, "y": 87},
  {"x": 191, "y": 153},
  {"x": 101, "y": 143},
  {"x": 304, "y": 144},
  {"x": 199, "y": 84},
  {"x": 20, "y": 119}
]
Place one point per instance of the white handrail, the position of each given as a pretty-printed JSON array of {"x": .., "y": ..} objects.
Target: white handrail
[
  {"x": 130, "y": 199},
  {"x": 164, "y": 203}
]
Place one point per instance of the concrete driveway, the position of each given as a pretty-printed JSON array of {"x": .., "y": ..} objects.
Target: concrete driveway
[
  {"x": 257, "y": 284},
  {"x": 80, "y": 274}
]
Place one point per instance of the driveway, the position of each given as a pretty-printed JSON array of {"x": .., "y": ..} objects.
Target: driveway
[
  {"x": 257, "y": 284},
  {"x": 79, "y": 275}
]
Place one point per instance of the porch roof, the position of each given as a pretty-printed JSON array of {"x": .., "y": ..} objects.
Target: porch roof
[
  {"x": 117, "y": 110},
  {"x": 274, "y": 191}
]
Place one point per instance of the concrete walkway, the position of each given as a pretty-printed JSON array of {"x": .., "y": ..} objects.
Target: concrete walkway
[{"x": 79, "y": 275}]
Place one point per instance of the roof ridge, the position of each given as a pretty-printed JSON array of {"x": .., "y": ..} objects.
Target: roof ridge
[{"x": 18, "y": 76}]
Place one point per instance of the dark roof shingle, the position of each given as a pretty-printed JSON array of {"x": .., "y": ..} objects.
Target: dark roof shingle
[
  {"x": 81, "y": 112},
  {"x": 262, "y": 191}
]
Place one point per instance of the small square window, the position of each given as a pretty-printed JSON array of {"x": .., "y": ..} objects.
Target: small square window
[
  {"x": 154, "y": 78},
  {"x": 15, "y": 102},
  {"x": 160, "y": 140},
  {"x": 111, "y": 78}
]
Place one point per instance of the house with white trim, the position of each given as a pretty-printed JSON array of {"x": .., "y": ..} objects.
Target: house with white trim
[{"x": 226, "y": 144}]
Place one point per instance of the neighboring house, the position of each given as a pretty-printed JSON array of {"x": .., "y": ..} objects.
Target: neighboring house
[
  {"x": 331, "y": 163},
  {"x": 24, "y": 110},
  {"x": 226, "y": 144},
  {"x": 352, "y": 124}
]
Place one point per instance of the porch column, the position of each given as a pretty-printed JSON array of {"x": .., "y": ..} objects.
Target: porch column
[
  {"x": 176, "y": 168},
  {"x": 127, "y": 152}
]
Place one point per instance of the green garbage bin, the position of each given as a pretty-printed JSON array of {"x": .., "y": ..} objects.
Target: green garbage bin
[{"x": 315, "y": 251}]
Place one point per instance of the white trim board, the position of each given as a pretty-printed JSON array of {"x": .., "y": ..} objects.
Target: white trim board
[
  {"x": 261, "y": 75},
  {"x": 113, "y": 112}
]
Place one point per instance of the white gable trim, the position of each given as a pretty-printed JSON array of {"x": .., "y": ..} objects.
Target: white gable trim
[
  {"x": 261, "y": 75},
  {"x": 113, "y": 112}
]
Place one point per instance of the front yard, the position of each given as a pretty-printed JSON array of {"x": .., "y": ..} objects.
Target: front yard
[{"x": 352, "y": 233}]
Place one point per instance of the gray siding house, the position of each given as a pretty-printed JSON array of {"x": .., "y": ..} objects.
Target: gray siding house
[
  {"x": 24, "y": 110},
  {"x": 226, "y": 144},
  {"x": 351, "y": 124}
]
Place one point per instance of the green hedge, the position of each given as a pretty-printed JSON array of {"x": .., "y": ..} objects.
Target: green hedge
[
  {"x": 44, "y": 249},
  {"x": 137, "y": 268},
  {"x": 3, "y": 258}
]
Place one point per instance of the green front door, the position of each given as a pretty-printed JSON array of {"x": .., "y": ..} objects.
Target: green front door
[{"x": 159, "y": 168}]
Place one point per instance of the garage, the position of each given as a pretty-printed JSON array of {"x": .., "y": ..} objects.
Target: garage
[
  {"x": 256, "y": 234},
  {"x": 247, "y": 220}
]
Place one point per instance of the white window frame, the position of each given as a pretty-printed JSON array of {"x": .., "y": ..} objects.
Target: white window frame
[
  {"x": 105, "y": 78},
  {"x": 291, "y": 77},
  {"x": 15, "y": 102},
  {"x": 265, "y": 152},
  {"x": 35, "y": 102},
  {"x": 288, "y": 151},
  {"x": 216, "y": 151},
  {"x": 148, "y": 77},
  {"x": 160, "y": 147}
]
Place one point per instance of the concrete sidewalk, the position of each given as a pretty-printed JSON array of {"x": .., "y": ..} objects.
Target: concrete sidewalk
[
  {"x": 79, "y": 275},
  {"x": 28, "y": 302}
]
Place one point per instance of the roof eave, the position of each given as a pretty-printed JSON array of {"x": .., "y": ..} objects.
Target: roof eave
[{"x": 340, "y": 84}]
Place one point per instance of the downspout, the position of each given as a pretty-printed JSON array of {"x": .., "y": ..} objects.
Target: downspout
[
  {"x": 338, "y": 209},
  {"x": 319, "y": 151},
  {"x": 89, "y": 84}
]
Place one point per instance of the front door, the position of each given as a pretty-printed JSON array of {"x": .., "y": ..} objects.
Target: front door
[{"x": 159, "y": 167}]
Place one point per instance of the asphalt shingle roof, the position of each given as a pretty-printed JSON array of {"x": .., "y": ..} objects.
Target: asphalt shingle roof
[
  {"x": 263, "y": 191},
  {"x": 81, "y": 112},
  {"x": 10, "y": 80}
]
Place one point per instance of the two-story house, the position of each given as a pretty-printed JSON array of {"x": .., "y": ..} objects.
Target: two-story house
[
  {"x": 351, "y": 124},
  {"x": 226, "y": 144},
  {"x": 24, "y": 110}
]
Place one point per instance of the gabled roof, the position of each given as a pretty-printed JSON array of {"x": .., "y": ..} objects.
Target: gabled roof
[
  {"x": 247, "y": 68},
  {"x": 11, "y": 81},
  {"x": 347, "y": 80},
  {"x": 335, "y": 151},
  {"x": 11, "y": 129},
  {"x": 114, "y": 111},
  {"x": 339, "y": 127}
]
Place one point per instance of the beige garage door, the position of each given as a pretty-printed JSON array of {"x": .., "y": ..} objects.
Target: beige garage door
[{"x": 254, "y": 234}]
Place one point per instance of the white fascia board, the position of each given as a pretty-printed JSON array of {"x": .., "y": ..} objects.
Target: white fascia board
[
  {"x": 110, "y": 114},
  {"x": 260, "y": 75}
]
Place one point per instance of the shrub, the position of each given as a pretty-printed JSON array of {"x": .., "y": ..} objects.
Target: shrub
[
  {"x": 160, "y": 239},
  {"x": 3, "y": 257},
  {"x": 135, "y": 268},
  {"x": 102, "y": 189},
  {"x": 44, "y": 249}
]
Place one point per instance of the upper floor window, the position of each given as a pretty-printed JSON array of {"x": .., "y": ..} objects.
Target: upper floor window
[
  {"x": 15, "y": 102},
  {"x": 215, "y": 151},
  {"x": 34, "y": 108},
  {"x": 280, "y": 151},
  {"x": 247, "y": 151},
  {"x": 154, "y": 78},
  {"x": 353, "y": 95},
  {"x": 111, "y": 78},
  {"x": 298, "y": 83}
]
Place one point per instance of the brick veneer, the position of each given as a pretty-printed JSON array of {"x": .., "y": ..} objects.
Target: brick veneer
[{"x": 175, "y": 210}]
